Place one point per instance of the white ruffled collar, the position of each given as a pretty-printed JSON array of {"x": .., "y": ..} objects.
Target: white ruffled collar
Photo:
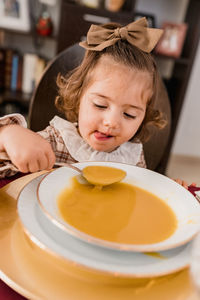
[{"x": 128, "y": 152}]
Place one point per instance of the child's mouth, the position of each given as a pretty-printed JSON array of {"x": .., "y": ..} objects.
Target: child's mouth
[{"x": 101, "y": 136}]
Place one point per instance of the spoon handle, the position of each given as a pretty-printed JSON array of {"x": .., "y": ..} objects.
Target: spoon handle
[
  {"x": 60, "y": 164},
  {"x": 4, "y": 156}
]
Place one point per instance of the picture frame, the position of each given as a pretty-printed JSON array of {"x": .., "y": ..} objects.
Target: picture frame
[
  {"x": 14, "y": 15},
  {"x": 172, "y": 40},
  {"x": 150, "y": 18}
]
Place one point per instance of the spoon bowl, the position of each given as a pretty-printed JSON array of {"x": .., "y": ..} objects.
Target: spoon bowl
[{"x": 99, "y": 175}]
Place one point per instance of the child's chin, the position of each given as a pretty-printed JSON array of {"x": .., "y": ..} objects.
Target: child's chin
[{"x": 102, "y": 148}]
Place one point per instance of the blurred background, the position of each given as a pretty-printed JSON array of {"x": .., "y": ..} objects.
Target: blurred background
[{"x": 34, "y": 32}]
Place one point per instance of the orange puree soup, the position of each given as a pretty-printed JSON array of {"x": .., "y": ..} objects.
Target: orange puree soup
[
  {"x": 119, "y": 213},
  {"x": 101, "y": 175}
]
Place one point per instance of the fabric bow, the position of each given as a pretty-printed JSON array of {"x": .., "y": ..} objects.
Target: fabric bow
[{"x": 136, "y": 33}]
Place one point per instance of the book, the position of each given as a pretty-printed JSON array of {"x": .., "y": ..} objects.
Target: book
[
  {"x": 39, "y": 68},
  {"x": 14, "y": 71},
  {"x": 28, "y": 72},
  {"x": 19, "y": 74},
  {"x": 8, "y": 67},
  {"x": 2, "y": 68}
]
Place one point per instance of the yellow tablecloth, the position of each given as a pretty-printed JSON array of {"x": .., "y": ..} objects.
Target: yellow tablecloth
[{"x": 39, "y": 275}]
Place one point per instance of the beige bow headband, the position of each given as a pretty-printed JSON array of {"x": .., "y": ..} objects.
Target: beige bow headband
[{"x": 136, "y": 33}]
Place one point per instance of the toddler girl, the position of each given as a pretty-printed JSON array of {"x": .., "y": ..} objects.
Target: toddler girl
[{"x": 108, "y": 102}]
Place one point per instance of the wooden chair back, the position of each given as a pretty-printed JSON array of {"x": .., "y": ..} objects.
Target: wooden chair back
[{"x": 42, "y": 108}]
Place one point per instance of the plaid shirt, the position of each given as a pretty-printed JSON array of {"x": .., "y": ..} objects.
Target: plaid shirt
[{"x": 54, "y": 136}]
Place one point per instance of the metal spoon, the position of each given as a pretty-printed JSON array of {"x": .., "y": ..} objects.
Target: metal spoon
[
  {"x": 104, "y": 177},
  {"x": 99, "y": 175}
]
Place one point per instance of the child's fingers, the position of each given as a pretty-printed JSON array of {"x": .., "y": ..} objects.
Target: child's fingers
[
  {"x": 34, "y": 166},
  {"x": 22, "y": 167},
  {"x": 51, "y": 159},
  {"x": 185, "y": 184},
  {"x": 182, "y": 182},
  {"x": 43, "y": 163},
  {"x": 178, "y": 181}
]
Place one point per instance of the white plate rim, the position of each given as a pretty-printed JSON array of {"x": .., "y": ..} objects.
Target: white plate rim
[
  {"x": 170, "y": 264},
  {"x": 161, "y": 246}
]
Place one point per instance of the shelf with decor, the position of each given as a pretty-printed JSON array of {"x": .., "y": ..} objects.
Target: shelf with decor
[
  {"x": 25, "y": 34},
  {"x": 19, "y": 74},
  {"x": 180, "y": 60},
  {"x": 178, "y": 82},
  {"x": 32, "y": 33},
  {"x": 14, "y": 101},
  {"x": 18, "y": 96},
  {"x": 76, "y": 19}
]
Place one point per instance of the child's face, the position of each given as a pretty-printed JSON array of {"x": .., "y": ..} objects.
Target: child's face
[{"x": 113, "y": 105}]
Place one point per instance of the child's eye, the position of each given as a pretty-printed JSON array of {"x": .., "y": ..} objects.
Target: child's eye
[
  {"x": 100, "y": 106},
  {"x": 129, "y": 116}
]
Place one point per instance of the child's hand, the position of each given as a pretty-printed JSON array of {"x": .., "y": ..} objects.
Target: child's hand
[
  {"x": 27, "y": 150},
  {"x": 184, "y": 183}
]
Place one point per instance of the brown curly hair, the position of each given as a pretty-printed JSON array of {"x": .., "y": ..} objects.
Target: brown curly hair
[{"x": 72, "y": 86}]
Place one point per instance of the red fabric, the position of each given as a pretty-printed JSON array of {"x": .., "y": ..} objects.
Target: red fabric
[
  {"x": 6, "y": 180},
  {"x": 6, "y": 293},
  {"x": 193, "y": 189}
]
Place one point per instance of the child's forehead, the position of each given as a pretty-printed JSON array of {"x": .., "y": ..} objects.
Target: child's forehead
[
  {"x": 118, "y": 81},
  {"x": 108, "y": 63},
  {"x": 107, "y": 67}
]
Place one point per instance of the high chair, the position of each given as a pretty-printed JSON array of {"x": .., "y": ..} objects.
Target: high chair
[{"x": 42, "y": 108}]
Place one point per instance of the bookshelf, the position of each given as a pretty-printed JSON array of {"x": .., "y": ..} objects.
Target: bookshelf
[
  {"x": 17, "y": 81},
  {"x": 31, "y": 33},
  {"x": 75, "y": 20},
  {"x": 178, "y": 83},
  {"x": 14, "y": 102}
]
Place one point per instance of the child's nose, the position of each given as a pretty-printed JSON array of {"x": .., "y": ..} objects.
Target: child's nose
[{"x": 111, "y": 120}]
